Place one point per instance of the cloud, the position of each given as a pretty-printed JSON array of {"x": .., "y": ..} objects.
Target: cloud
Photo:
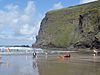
[
  {"x": 11, "y": 7},
  {"x": 30, "y": 9},
  {"x": 21, "y": 22},
  {"x": 86, "y": 1},
  {"x": 57, "y": 6},
  {"x": 26, "y": 29}
]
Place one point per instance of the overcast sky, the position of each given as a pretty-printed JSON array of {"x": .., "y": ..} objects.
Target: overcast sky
[{"x": 20, "y": 19}]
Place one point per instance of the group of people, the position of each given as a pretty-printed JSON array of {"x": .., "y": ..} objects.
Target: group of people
[{"x": 66, "y": 55}]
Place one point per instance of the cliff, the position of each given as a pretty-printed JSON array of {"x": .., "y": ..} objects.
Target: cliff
[{"x": 77, "y": 26}]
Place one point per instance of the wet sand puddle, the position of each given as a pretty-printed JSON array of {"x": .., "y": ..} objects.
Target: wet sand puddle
[{"x": 77, "y": 64}]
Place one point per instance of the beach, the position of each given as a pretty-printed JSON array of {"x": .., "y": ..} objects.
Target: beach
[{"x": 50, "y": 64}]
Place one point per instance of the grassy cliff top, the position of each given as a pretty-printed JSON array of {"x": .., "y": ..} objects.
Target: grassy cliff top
[
  {"x": 60, "y": 27},
  {"x": 90, "y": 5}
]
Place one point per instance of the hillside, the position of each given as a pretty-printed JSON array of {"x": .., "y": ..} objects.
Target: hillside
[{"x": 77, "y": 26}]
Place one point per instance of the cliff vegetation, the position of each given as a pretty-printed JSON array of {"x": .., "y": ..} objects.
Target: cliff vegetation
[{"x": 77, "y": 26}]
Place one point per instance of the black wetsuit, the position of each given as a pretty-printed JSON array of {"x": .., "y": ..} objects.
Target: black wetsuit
[{"x": 34, "y": 55}]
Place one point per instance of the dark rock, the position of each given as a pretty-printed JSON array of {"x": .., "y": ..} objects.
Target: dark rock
[{"x": 78, "y": 26}]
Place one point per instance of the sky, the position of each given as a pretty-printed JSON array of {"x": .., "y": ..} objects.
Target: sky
[{"x": 20, "y": 19}]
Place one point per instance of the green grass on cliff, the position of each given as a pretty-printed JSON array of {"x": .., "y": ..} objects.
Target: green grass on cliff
[
  {"x": 61, "y": 26},
  {"x": 87, "y": 6}
]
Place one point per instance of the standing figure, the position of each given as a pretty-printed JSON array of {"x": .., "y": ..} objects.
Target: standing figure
[
  {"x": 95, "y": 52},
  {"x": 34, "y": 54},
  {"x": 67, "y": 55},
  {"x": 46, "y": 55}
]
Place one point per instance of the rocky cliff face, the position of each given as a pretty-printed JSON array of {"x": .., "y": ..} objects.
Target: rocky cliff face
[{"x": 77, "y": 26}]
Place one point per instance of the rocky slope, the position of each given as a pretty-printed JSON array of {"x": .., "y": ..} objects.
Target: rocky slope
[{"x": 78, "y": 26}]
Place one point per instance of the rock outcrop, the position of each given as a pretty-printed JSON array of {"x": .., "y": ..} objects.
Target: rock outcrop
[{"x": 77, "y": 25}]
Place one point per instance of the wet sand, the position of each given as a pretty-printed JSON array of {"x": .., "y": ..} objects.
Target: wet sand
[{"x": 77, "y": 64}]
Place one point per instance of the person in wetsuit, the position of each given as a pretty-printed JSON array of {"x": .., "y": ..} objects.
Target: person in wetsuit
[{"x": 34, "y": 54}]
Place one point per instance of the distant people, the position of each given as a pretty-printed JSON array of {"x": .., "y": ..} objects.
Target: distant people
[
  {"x": 46, "y": 54},
  {"x": 67, "y": 54},
  {"x": 34, "y": 54},
  {"x": 95, "y": 51}
]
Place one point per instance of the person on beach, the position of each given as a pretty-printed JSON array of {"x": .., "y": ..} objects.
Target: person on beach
[
  {"x": 46, "y": 54},
  {"x": 64, "y": 56},
  {"x": 67, "y": 54},
  {"x": 34, "y": 54},
  {"x": 95, "y": 52}
]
